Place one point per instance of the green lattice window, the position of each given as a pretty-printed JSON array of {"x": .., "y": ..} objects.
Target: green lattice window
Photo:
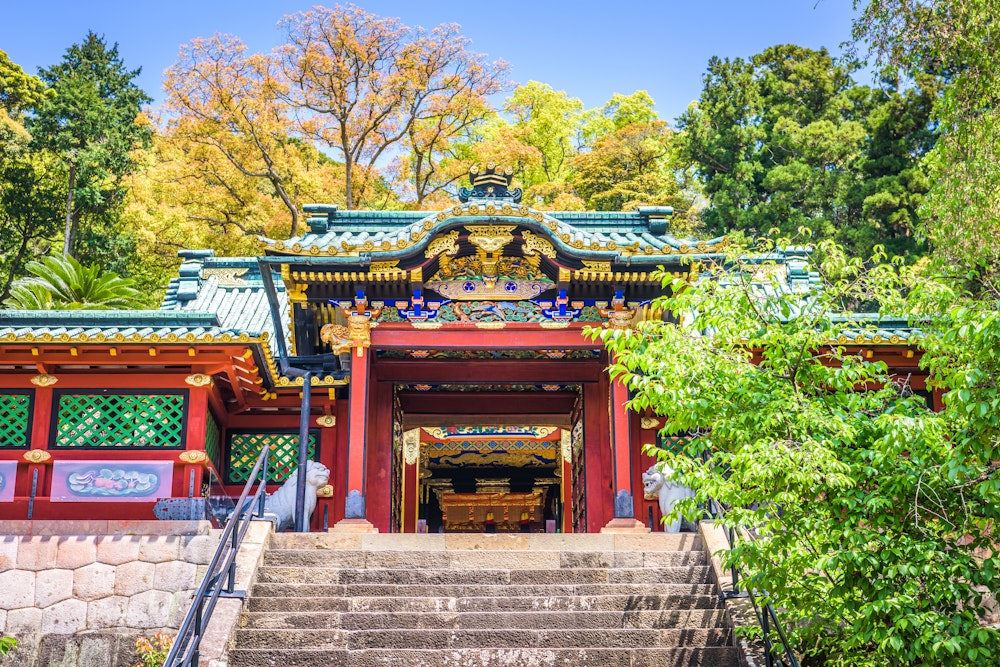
[
  {"x": 15, "y": 419},
  {"x": 244, "y": 448},
  {"x": 678, "y": 444},
  {"x": 99, "y": 421},
  {"x": 213, "y": 441}
]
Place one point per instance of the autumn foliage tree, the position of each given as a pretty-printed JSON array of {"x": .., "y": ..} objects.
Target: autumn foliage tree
[
  {"x": 229, "y": 101},
  {"x": 363, "y": 85}
]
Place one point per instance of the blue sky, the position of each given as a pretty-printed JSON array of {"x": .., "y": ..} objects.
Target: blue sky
[{"x": 590, "y": 49}]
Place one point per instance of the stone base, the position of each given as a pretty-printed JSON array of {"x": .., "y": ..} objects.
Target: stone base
[
  {"x": 625, "y": 526},
  {"x": 353, "y": 526}
]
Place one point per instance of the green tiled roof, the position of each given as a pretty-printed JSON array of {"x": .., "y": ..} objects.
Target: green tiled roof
[{"x": 339, "y": 237}]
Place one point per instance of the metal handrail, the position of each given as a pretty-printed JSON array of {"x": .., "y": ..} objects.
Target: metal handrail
[
  {"x": 778, "y": 654},
  {"x": 185, "y": 650}
]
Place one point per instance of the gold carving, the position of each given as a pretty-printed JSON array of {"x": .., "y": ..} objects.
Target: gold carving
[
  {"x": 490, "y": 238},
  {"x": 193, "y": 456},
  {"x": 533, "y": 244},
  {"x": 297, "y": 293},
  {"x": 649, "y": 423},
  {"x": 199, "y": 380},
  {"x": 44, "y": 380},
  {"x": 426, "y": 325},
  {"x": 228, "y": 277},
  {"x": 566, "y": 446},
  {"x": 357, "y": 333},
  {"x": 390, "y": 268},
  {"x": 443, "y": 245},
  {"x": 490, "y": 325},
  {"x": 598, "y": 267},
  {"x": 37, "y": 456},
  {"x": 326, "y": 421},
  {"x": 325, "y": 491},
  {"x": 550, "y": 324},
  {"x": 619, "y": 317},
  {"x": 411, "y": 446}
]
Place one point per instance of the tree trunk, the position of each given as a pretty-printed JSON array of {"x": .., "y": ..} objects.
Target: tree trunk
[
  {"x": 289, "y": 204},
  {"x": 68, "y": 232},
  {"x": 14, "y": 264},
  {"x": 348, "y": 169}
]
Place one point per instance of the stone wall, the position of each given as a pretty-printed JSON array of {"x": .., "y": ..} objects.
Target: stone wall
[{"x": 81, "y": 592}]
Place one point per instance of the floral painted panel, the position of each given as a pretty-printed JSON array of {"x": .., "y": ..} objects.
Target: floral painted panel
[{"x": 111, "y": 481}]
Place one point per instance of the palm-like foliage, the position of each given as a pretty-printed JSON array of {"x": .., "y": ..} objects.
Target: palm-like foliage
[{"x": 62, "y": 283}]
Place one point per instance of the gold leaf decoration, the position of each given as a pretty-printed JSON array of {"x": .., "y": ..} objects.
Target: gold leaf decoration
[
  {"x": 44, "y": 380},
  {"x": 37, "y": 456}
]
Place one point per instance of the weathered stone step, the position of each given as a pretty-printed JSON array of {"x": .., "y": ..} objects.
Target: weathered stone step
[
  {"x": 474, "y": 620},
  {"x": 515, "y": 657},
  {"x": 266, "y": 589},
  {"x": 466, "y": 559},
  {"x": 621, "y": 638},
  {"x": 484, "y": 542},
  {"x": 660, "y": 601},
  {"x": 323, "y": 575}
]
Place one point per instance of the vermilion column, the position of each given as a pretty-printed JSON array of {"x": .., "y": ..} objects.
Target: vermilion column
[
  {"x": 621, "y": 445},
  {"x": 41, "y": 423},
  {"x": 357, "y": 435},
  {"x": 194, "y": 438},
  {"x": 595, "y": 435}
]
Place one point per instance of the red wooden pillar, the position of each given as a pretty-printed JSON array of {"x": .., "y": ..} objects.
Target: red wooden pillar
[
  {"x": 194, "y": 437},
  {"x": 358, "y": 514},
  {"x": 41, "y": 425},
  {"x": 378, "y": 496},
  {"x": 641, "y": 438},
  {"x": 595, "y": 442},
  {"x": 621, "y": 447},
  {"x": 328, "y": 457}
]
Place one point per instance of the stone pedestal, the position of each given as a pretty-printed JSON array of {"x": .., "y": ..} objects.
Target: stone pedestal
[
  {"x": 621, "y": 525},
  {"x": 353, "y": 526}
]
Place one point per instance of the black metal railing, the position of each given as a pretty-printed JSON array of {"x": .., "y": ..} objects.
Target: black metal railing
[
  {"x": 221, "y": 575},
  {"x": 778, "y": 651}
]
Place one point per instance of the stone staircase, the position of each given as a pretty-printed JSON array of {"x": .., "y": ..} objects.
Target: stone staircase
[{"x": 484, "y": 600}]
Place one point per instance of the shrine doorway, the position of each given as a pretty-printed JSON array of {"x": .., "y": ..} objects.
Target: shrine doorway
[{"x": 488, "y": 458}]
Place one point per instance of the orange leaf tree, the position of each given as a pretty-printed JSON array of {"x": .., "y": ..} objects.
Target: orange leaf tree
[{"x": 366, "y": 85}]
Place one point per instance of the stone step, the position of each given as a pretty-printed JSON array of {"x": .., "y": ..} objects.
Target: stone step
[
  {"x": 606, "y": 542},
  {"x": 488, "y": 657},
  {"x": 355, "y": 640},
  {"x": 661, "y": 601},
  {"x": 267, "y": 589},
  {"x": 324, "y": 575},
  {"x": 466, "y": 559},
  {"x": 476, "y": 620}
]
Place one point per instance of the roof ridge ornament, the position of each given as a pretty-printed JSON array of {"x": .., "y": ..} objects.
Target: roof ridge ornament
[{"x": 493, "y": 182}]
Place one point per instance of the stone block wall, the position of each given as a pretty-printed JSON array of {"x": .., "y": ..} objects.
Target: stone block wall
[{"x": 80, "y": 593}]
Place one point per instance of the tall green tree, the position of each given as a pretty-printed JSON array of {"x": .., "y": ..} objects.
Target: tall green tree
[
  {"x": 94, "y": 124},
  {"x": 29, "y": 179},
  {"x": 874, "y": 516},
  {"x": 956, "y": 40},
  {"x": 788, "y": 139}
]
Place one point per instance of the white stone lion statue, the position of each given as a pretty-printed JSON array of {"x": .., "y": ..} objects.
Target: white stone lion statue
[
  {"x": 656, "y": 485},
  {"x": 280, "y": 505}
]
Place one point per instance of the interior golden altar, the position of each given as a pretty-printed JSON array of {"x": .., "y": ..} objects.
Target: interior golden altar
[{"x": 469, "y": 512}]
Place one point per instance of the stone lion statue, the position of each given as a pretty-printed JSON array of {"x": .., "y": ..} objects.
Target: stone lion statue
[
  {"x": 656, "y": 485},
  {"x": 280, "y": 505}
]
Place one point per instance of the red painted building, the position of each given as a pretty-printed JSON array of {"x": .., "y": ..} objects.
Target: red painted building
[{"x": 452, "y": 384}]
